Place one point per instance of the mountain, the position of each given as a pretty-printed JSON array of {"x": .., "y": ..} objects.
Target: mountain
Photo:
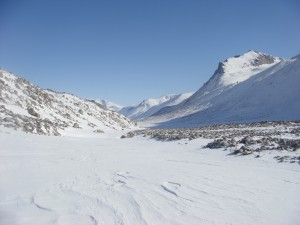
[
  {"x": 246, "y": 88},
  {"x": 32, "y": 109},
  {"x": 109, "y": 105},
  {"x": 150, "y": 106}
]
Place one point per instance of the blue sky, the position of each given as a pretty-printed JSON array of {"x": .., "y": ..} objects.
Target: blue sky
[{"x": 127, "y": 51}]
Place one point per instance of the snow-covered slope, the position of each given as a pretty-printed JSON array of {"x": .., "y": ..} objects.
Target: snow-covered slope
[
  {"x": 32, "y": 109},
  {"x": 109, "y": 105},
  {"x": 251, "y": 87},
  {"x": 150, "y": 106}
]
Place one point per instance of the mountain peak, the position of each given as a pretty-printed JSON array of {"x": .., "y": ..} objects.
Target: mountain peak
[
  {"x": 246, "y": 88},
  {"x": 248, "y": 59},
  {"x": 240, "y": 67}
]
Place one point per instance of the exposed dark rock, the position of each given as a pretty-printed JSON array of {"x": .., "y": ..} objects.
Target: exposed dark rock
[
  {"x": 245, "y": 151},
  {"x": 32, "y": 112},
  {"x": 99, "y": 131},
  {"x": 217, "y": 143},
  {"x": 76, "y": 125},
  {"x": 248, "y": 141},
  {"x": 220, "y": 69},
  {"x": 263, "y": 59}
]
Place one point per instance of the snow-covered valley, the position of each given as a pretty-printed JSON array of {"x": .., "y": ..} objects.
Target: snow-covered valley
[
  {"x": 105, "y": 179},
  {"x": 65, "y": 160}
]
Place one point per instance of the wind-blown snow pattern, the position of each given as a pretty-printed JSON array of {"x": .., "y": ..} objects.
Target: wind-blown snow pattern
[
  {"x": 136, "y": 181},
  {"x": 248, "y": 88},
  {"x": 150, "y": 106},
  {"x": 35, "y": 110}
]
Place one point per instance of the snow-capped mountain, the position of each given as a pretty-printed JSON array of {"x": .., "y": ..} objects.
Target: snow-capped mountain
[
  {"x": 150, "y": 106},
  {"x": 251, "y": 87},
  {"x": 109, "y": 105},
  {"x": 32, "y": 109}
]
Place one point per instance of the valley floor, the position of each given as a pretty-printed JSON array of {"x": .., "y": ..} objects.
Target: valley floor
[{"x": 108, "y": 180}]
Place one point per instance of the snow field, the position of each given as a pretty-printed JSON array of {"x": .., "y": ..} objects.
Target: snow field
[{"x": 108, "y": 180}]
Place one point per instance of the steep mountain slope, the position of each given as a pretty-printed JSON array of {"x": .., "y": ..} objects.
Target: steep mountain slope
[
  {"x": 150, "y": 106},
  {"x": 229, "y": 73},
  {"x": 109, "y": 105},
  {"x": 32, "y": 109},
  {"x": 247, "y": 88}
]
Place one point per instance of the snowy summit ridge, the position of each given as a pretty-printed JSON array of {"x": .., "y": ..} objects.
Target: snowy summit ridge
[{"x": 241, "y": 67}]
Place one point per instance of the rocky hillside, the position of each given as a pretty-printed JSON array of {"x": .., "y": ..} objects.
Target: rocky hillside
[{"x": 26, "y": 107}]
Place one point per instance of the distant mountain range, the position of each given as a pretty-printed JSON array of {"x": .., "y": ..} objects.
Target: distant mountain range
[
  {"x": 150, "y": 106},
  {"x": 109, "y": 105},
  {"x": 245, "y": 88},
  {"x": 32, "y": 109}
]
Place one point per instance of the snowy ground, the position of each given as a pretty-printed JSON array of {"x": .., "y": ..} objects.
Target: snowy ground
[{"x": 107, "y": 180}]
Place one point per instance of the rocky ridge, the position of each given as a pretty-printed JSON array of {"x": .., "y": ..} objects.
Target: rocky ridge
[{"x": 32, "y": 109}]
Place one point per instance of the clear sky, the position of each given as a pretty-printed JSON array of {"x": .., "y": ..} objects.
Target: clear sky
[{"x": 126, "y": 51}]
